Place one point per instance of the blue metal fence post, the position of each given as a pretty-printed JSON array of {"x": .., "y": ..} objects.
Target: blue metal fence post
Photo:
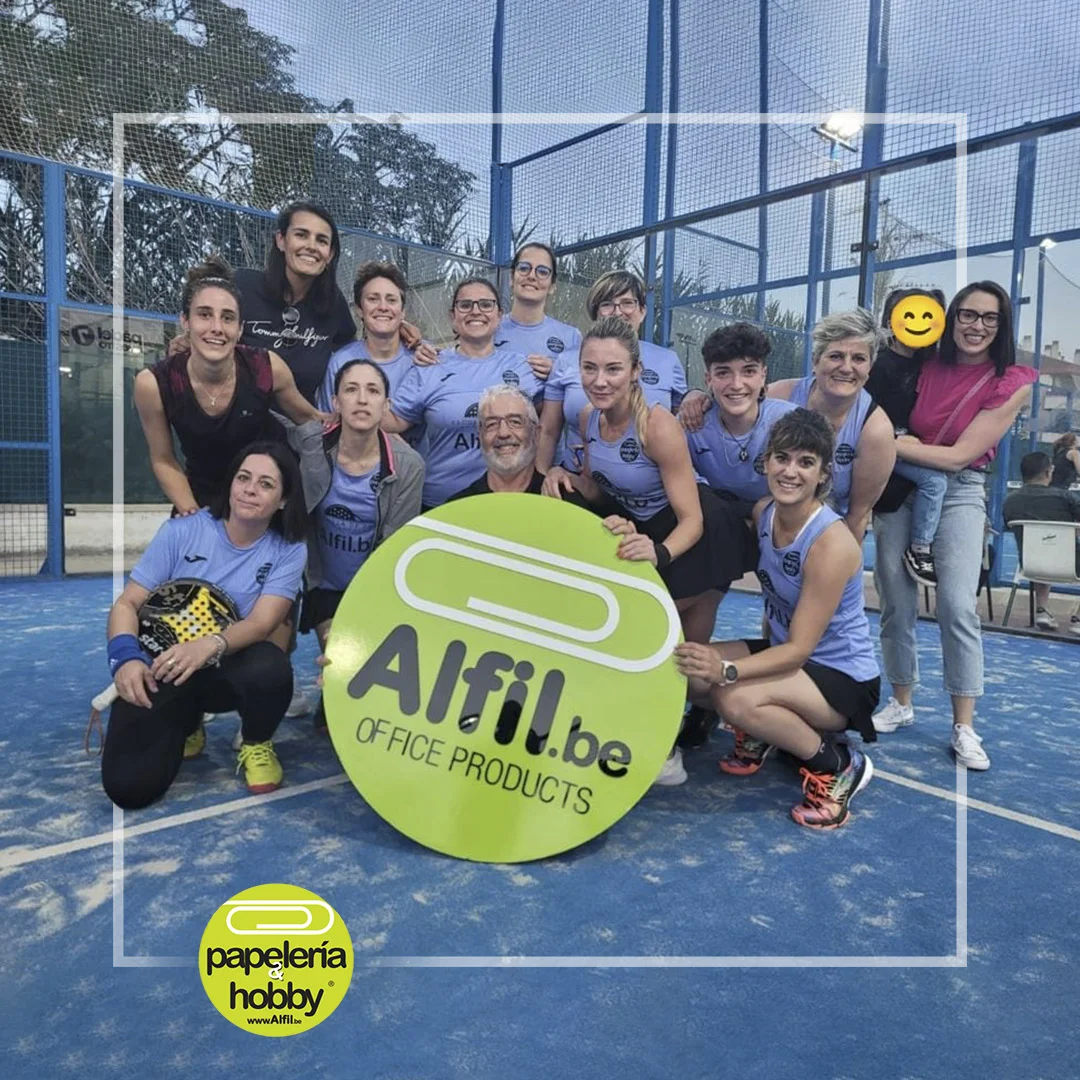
[
  {"x": 1036, "y": 359},
  {"x": 55, "y": 289},
  {"x": 813, "y": 270},
  {"x": 499, "y": 227},
  {"x": 654, "y": 103},
  {"x": 763, "y": 158},
  {"x": 873, "y": 145},
  {"x": 668, "y": 274},
  {"x": 1021, "y": 237}
]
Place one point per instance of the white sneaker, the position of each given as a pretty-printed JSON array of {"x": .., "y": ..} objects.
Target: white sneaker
[
  {"x": 1074, "y": 627},
  {"x": 300, "y": 704},
  {"x": 967, "y": 746},
  {"x": 893, "y": 716},
  {"x": 1044, "y": 620},
  {"x": 673, "y": 773}
]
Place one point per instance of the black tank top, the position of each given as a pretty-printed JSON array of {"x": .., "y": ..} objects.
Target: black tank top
[
  {"x": 209, "y": 443},
  {"x": 1064, "y": 474}
]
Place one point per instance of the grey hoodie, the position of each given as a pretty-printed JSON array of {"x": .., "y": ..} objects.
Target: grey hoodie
[{"x": 401, "y": 472}]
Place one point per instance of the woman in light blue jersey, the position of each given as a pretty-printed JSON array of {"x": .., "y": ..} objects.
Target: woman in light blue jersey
[
  {"x": 379, "y": 293},
  {"x": 249, "y": 544},
  {"x": 845, "y": 345},
  {"x": 527, "y": 328},
  {"x": 727, "y": 444},
  {"x": 815, "y": 675},
  {"x": 618, "y": 294},
  {"x": 445, "y": 397}
]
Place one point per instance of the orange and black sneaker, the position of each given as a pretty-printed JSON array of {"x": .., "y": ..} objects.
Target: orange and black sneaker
[
  {"x": 747, "y": 757},
  {"x": 826, "y": 795}
]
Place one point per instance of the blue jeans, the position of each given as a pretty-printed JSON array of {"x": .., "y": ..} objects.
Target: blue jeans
[
  {"x": 930, "y": 487},
  {"x": 958, "y": 547}
]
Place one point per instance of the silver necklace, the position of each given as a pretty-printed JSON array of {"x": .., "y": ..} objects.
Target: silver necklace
[{"x": 744, "y": 453}]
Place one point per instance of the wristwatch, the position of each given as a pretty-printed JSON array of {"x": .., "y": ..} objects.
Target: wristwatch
[{"x": 728, "y": 674}]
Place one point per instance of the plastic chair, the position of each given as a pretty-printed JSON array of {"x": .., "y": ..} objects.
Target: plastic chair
[{"x": 1047, "y": 557}]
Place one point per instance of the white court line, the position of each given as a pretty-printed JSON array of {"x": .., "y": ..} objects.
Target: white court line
[
  {"x": 978, "y": 804},
  {"x": 16, "y": 858},
  {"x": 21, "y": 857}
]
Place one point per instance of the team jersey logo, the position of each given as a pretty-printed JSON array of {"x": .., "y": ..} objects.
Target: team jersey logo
[
  {"x": 792, "y": 564},
  {"x": 629, "y": 450},
  {"x": 342, "y": 518},
  {"x": 473, "y": 410},
  {"x": 845, "y": 454},
  {"x": 649, "y": 377},
  {"x": 376, "y": 482},
  {"x": 759, "y": 464},
  {"x": 766, "y": 581},
  {"x": 555, "y": 345},
  {"x": 263, "y": 572},
  {"x": 510, "y": 377}
]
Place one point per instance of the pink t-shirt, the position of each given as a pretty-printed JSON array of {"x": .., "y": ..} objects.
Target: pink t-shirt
[{"x": 942, "y": 387}]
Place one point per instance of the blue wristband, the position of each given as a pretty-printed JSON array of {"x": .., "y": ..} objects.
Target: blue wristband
[{"x": 122, "y": 648}]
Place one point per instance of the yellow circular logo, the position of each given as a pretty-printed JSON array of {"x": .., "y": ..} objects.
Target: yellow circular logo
[
  {"x": 917, "y": 321},
  {"x": 501, "y": 686},
  {"x": 275, "y": 960}
]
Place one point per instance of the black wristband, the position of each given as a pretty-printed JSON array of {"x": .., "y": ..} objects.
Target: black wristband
[{"x": 663, "y": 556}]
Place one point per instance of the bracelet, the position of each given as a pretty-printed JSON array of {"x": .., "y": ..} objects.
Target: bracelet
[
  {"x": 222, "y": 649},
  {"x": 663, "y": 556},
  {"x": 121, "y": 649}
]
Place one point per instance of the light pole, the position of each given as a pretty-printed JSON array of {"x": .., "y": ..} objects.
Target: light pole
[
  {"x": 1036, "y": 361},
  {"x": 838, "y": 131}
]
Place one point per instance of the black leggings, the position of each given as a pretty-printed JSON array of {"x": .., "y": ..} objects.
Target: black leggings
[{"x": 144, "y": 747}]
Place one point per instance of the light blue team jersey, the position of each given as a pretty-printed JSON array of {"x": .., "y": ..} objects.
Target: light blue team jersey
[
  {"x": 547, "y": 338},
  {"x": 622, "y": 469},
  {"x": 845, "y": 645},
  {"x": 395, "y": 369},
  {"x": 663, "y": 382},
  {"x": 846, "y": 444},
  {"x": 736, "y": 465},
  {"x": 345, "y": 525},
  {"x": 445, "y": 398},
  {"x": 197, "y": 546}
]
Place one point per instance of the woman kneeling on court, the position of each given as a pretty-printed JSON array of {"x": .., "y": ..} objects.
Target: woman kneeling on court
[
  {"x": 249, "y": 545},
  {"x": 816, "y": 674}
]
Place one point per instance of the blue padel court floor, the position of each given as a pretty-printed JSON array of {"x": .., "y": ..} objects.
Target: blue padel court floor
[{"x": 705, "y": 935}]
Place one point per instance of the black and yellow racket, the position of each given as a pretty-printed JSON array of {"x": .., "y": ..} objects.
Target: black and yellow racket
[{"x": 181, "y": 610}]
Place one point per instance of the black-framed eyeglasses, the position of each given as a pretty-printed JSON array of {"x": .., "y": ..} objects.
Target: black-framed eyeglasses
[
  {"x": 969, "y": 316},
  {"x": 513, "y": 422},
  {"x": 627, "y": 305},
  {"x": 526, "y": 268},
  {"x": 485, "y": 305}
]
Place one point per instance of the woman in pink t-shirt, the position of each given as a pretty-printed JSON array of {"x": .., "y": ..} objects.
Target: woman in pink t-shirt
[{"x": 968, "y": 397}]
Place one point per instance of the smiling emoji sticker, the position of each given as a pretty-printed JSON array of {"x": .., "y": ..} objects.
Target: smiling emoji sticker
[{"x": 917, "y": 321}]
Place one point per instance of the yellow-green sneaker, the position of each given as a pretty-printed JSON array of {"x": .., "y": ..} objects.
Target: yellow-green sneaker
[
  {"x": 262, "y": 770},
  {"x": 195, "y": 743}
]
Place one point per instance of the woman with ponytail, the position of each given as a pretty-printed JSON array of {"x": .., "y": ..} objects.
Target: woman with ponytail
[
  {"x": 216, "y": 394},
  {"x": 636, "y": 459}
]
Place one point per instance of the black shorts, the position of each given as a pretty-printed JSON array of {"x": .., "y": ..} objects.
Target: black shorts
[
  {"x": 319, "y": 605},
  {"x": 727, "y": 548},
  {"x": 849, "y": 697}
]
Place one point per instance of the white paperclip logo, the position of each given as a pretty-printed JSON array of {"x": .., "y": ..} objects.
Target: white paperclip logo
[
  {"x": 523, "y": 625},
  {"x": 302, "y": 928}
]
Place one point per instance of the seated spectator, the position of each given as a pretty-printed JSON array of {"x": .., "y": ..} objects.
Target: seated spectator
[{"x": 1039, "y": 500}]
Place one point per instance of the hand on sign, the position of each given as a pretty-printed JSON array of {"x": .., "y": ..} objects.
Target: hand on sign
[
  {"x": 620, "y": 526},
  {"x": 697, "y": 661},
  {"x": 693, "y": 409},
  {"x": 540, "y": 364},
  {"x": 135, "y": 684},
  {"x": 556, "y": 482},
  {"x": 322, "y": 661},
  {"x": 637, "y": 548}
]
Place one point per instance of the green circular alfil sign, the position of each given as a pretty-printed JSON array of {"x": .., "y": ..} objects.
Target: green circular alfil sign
[{"x": 501, "y": 686}]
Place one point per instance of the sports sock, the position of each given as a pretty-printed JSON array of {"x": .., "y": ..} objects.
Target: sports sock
[{"x": 831, "y": 757}]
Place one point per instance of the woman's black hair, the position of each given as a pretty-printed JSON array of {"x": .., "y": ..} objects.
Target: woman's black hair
[
  {"x": 544, "y": 248},
  {"x": 324, "y": 288},
  {"x": 739, "y": 341},
  {"x": 291, "y": 520},
  {"x": 212, "y": 273},
  {"x": 1003, "y": 348},
  {"x": 476, "y": 281},
  {"x": 803, "y": 429},
  {"x": 367, "y": 363}
]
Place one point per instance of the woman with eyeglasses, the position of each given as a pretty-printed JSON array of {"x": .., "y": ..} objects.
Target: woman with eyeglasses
[
  {"x": 445, "y": 397},
  {"x": 527, "y": 328},
  {"x": 663, "y": 380},
  {"x": 967, "y": 398}
]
